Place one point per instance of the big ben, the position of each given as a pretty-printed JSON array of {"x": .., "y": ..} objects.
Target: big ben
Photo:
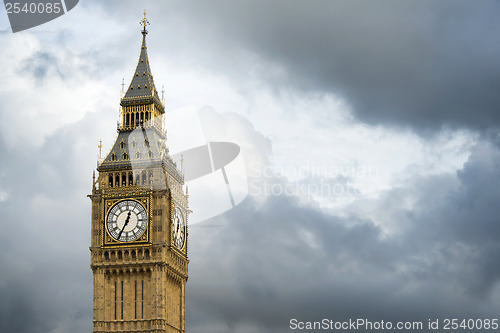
[{"x": 139, "y": 239}]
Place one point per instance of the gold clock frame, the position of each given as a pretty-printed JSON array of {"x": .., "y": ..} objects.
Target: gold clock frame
[
  {"x": 108, "y": 203},
  {"x": 184, "y": 213}
]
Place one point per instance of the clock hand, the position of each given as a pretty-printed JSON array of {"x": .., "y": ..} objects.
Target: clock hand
[{"x": 124, "y": 225}]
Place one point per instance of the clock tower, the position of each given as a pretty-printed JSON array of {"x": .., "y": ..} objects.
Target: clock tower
[{"x": 139, "y": 236}]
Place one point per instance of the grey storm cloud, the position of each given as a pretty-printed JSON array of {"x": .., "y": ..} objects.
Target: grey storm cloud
[
  {"x": 48, "y": 64},
  {"x": 262, "y": 264},
  {"x": 421, "y": 64},
  {"x": 424, "y": 64},
  {"x": 45, "y": 280},
  {"x": 412, "y": 63},
  {"x": 39, "y": 64}
]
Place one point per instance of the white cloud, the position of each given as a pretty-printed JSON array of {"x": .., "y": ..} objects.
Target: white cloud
[
  {"x": 46, "y": 88},
  {"x": 317, "y": 143}
]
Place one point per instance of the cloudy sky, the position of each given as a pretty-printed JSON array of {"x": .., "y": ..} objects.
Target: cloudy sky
[{"x": 368, "y": 131}]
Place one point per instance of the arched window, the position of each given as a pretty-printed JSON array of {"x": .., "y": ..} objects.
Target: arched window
[
  {"x": 130, "y": 178},
  {"x": 124, "y": 179},
  {"x": 110, "y": 180},
  {"x": 144, "y": 178},
  {"x": 122, "y": 144},
  {"x": 138, "y": 155},
  {"x": 113, "y": 157},
  {"x": 117, "y": 179},
  {"x": 125, "y": 156},
  {"x": 150, "y": 154},
  {"x": 106, "y": 255},
  {"x": 137, "y": 179},
  {"x": 120, "y": 256},
  {"x": 134, "y": 254},
  {"x": 146, "y": 254},
  {"x": 150, "y": 177}
]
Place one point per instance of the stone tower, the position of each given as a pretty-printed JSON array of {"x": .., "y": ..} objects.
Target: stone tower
[{"x": 139, "y": 240}]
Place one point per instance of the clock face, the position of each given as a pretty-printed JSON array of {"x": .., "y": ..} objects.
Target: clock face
[
  {"x": 127, "y": 220},
  {"x": 178, "y": 228}
]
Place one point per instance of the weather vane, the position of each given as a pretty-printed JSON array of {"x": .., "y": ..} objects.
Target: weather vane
[{"x": 144, "y": 22}]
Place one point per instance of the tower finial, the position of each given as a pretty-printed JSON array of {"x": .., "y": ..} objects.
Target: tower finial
[
  {"x": 182, "y": 164},
  {"x": 144, "y": 22},
  {"x": 100, "y": 147},
  {"x": 99, "y": 159}
]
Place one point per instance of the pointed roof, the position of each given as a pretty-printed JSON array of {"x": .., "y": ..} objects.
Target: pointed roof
[
  {"x": 142, "y": 87},
  {"x": 137, "y": 149},
  {"x": 133, "y": 146}
]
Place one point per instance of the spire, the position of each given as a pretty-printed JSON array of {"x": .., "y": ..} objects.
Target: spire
[
  {"x": 144, "y": 22},
  {"x": 142, "y": 87}
]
